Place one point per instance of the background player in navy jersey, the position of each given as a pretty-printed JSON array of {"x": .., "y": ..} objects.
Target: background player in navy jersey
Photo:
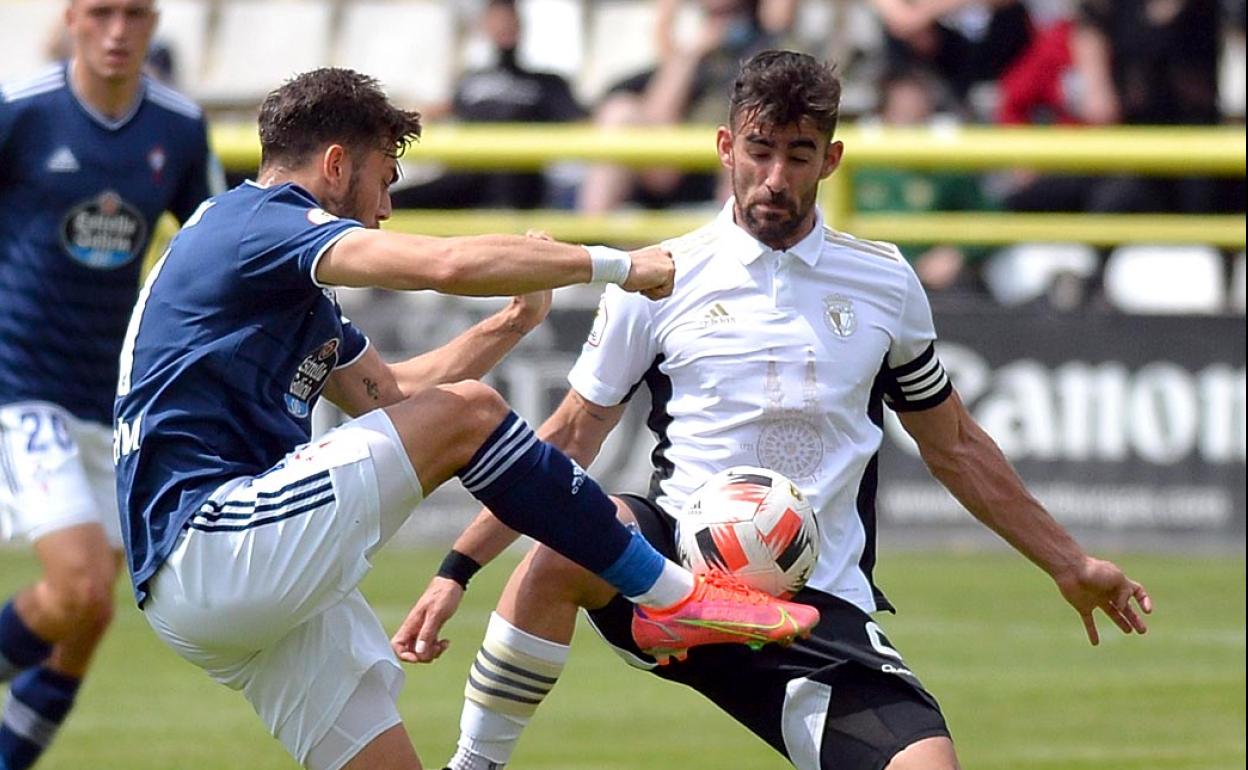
[
  {"x": 91, "y": 154},
  {"x": 245, "y": 543},
  {"x": 780, "y": 344}
]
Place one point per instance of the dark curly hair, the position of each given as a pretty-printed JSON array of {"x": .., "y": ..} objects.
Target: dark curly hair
[
  {"x": 331, "y": 105},
  {"x": 779, "y": 88}
]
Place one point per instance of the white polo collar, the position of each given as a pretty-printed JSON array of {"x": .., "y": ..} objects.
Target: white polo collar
[{"x": 747, "y": 248}]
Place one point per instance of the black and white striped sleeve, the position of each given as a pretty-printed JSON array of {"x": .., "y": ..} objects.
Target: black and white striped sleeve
[{"x": 918, "y": 384}]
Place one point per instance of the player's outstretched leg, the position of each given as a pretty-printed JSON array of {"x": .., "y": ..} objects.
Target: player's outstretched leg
[{"x": 467, "y": 430}]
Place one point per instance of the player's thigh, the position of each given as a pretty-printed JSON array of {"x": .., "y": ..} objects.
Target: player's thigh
[
  {"x": 270, "y": 551},
  {"x": 443, "y": 427},
  {"x": 49, "y": 478},
  {"x": 329, "y": 687},
  {"x": 935, "y": 753}
]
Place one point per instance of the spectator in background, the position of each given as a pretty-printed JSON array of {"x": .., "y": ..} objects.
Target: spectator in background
[
  {"x": 1139, "y": 62},
  {"x": 503, "y": 92},
  {"x": 688, "y": 86},
  {"x": 964, "y": 41},
  {"x": 909, "y": 97}
]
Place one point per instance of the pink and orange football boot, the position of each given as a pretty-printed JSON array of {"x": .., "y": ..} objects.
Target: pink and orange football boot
[{"x": 720, "y": 610}]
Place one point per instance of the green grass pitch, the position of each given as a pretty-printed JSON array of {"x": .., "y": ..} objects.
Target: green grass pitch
[{"x": 987, "y": 632}]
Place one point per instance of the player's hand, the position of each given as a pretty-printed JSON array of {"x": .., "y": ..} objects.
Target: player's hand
[
  {"x": 527, "y": 311},
  {"x": 653, "y": 272},
  {"x": 1096, "y": 583},
  {"x": 417, "y": 640}
]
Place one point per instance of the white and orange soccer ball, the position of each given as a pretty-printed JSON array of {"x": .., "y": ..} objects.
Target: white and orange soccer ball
[{"x": 753, "y": 523}]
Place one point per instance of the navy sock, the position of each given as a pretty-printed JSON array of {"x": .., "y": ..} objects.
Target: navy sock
[
  {"x": 38, "y": 703},
  {"x": 535, "y": 489},
  {"x": 20, "y": 648}
]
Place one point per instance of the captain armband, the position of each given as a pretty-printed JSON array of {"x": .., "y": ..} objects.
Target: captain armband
[{"x": 920, "y": 384}]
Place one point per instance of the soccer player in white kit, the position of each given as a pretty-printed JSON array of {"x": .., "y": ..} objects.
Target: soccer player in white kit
[{"x": 780, "y": 345}]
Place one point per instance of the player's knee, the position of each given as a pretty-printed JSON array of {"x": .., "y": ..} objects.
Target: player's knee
[
  {"x": 477, "y": 410},
  {"x": 82, "y": 600}
]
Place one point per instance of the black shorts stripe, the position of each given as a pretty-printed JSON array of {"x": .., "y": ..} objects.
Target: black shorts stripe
[
  {"x": 250, "y": 508},
  {"x": 312, "y": 506}
]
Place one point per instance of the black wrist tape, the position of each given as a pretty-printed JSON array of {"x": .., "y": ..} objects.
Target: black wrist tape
[{"x": 458, "y": 567}]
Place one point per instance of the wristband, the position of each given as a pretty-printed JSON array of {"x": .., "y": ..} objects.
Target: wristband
[
  {"x": 609, "y": 265},
  {"x": 458, "y": 567}
]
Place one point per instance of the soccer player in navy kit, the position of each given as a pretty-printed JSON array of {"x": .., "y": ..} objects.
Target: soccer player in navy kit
[
  {"x": 91, "y": 154},
  {"x": 780, "y": 345},
  {"x": 245, "y": 542}
]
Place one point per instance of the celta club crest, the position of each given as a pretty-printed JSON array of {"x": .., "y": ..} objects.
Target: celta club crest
[{"x": 838, "y": 314}]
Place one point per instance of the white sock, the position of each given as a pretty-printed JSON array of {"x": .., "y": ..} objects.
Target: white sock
[
  {"x": 512, "y": 674},
  {"x": 674, "y": 585}
]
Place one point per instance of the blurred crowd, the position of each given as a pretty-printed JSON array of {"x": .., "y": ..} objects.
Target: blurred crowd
[{"x": 924, "y": 62}]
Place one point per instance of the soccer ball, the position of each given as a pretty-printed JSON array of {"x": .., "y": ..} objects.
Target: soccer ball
[{"x": 753, "y": 523}]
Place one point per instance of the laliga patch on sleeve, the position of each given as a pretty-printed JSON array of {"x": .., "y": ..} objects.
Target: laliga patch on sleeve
[
  {"x": 600, "y": 323},
  {"x": 320, "y": 217}
]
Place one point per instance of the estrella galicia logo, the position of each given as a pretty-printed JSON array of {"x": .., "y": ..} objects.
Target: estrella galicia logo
[
  {"x": 104, "y": 232},
  {"x": 310, "y": 378}
]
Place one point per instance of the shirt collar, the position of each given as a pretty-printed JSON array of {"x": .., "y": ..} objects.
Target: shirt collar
[{"x": 747, "y": 249}]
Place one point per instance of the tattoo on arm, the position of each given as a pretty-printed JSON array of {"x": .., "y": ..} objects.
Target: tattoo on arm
[{"x": 374, "y": 391}]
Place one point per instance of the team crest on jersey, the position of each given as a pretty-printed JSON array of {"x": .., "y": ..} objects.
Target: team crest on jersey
[
  {"x": 838, "y": 314},
  {"x": 310, "y": 378},
  {"x": 104, "y": 232}
]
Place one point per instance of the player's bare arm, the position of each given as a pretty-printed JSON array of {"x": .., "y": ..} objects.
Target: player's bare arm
[
  {"x": 371, "y": 383},
  {"x": 965, "y": 459},
  {"x": 484, "y": 265},
  {"x": 578, "y": 427}
]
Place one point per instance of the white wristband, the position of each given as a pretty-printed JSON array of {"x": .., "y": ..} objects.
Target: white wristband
[{"x": 609, "y": 265}]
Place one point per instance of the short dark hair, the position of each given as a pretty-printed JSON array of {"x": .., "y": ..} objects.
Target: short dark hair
[
  {"x": 780, "y": 88},
  {"x": 332, "y": 105}
]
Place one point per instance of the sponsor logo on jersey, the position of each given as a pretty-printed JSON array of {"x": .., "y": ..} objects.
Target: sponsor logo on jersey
[
  {"x": 310, "y": 378},
  {"x": 104, "y": 232},
  {"x": 838, "y": 314},
  {"x": 62, "y": 161}
]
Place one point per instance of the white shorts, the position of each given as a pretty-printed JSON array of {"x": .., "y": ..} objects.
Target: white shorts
[
  {"x": 56, "y": 472},
  {"x": 261, "y": 589}
]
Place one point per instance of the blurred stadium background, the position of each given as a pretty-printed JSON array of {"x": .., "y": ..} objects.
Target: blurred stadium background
[{"x": 1105, "y": 352}]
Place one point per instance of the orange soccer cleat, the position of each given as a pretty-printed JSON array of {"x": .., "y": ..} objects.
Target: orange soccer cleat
[{"x": 720, "y": 610}]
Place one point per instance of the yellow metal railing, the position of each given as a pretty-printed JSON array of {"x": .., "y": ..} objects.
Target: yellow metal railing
[{"x": 1143, "y": 151}]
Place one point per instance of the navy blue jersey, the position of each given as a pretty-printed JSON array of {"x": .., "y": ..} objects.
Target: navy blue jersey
[
  {"x": 79, "y": 197},
  {"x": 230, "y": 345}
]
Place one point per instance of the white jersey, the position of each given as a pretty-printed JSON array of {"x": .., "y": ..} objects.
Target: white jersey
[{"x": 776, "y": 359}]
